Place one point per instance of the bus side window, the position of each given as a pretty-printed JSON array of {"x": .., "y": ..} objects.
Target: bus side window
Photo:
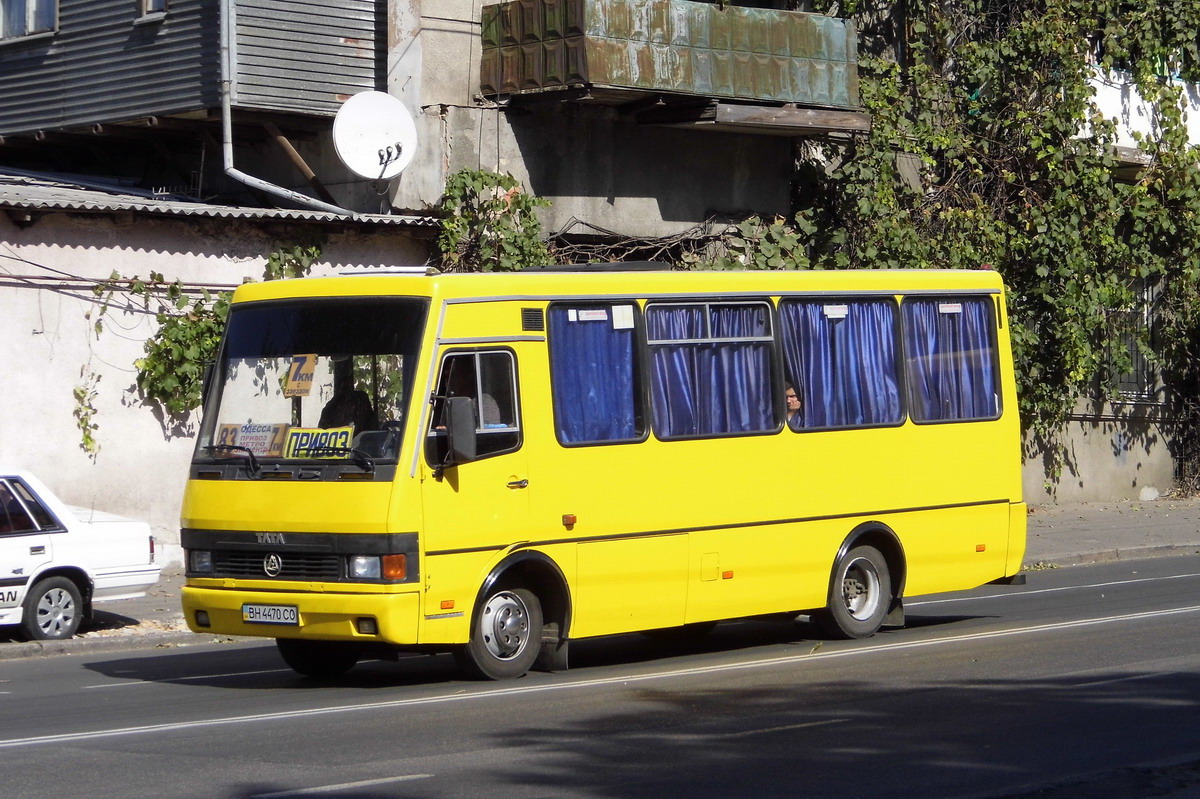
[
  {"x": 841, "y": 355},
  {"x": 595, "y": 373},
  {"x": 711, "y": 368},
  {"x": 489, "y": 379},
  {"x": 951, "y": 362}
]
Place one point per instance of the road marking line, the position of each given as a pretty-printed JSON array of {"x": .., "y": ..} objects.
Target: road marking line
[
  {"x": 1010, "y": 594},
  {"x": 288, "y": 715},
  {"x": 340, "y": 787}
]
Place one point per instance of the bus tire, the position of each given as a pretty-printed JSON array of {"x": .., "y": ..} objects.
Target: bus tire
[
  {"x": 506, "y": 635},
  {"x": 320, "y": 660},
  {"x": 859, "y": 595},
  {"x": 53, "y": 610}
]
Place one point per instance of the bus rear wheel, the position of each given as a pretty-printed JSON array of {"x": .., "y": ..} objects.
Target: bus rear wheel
[
  {"x": 506, "y": 635},
  {"x": 320, "y": 660},
  {"x": 859, "y": 595}
]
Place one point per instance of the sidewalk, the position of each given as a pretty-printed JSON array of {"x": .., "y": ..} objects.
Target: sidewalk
[
  {"x": 1059, "y": 535},
  {"x": 1068, "y": 535}
]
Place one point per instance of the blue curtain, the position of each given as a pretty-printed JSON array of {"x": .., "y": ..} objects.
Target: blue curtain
[
  {"x": 592, "y": 376},
  {"x": 844, "y": 368},
  {"x": 951, "y": 353},
  {"x": 704, "y": 385}
]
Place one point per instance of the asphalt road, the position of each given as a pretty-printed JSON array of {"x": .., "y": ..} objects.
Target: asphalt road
[{"x": 1084, "y": 683}]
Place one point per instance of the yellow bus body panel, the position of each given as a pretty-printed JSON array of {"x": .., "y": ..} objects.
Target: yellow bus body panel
[
  {"x": 664, "y": 533},
  {"x": 294, "y": 506},
  {"x": 322, "y": 615}
]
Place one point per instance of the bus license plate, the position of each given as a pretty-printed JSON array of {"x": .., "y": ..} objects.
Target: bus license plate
[{"x": 270, "y": 614}]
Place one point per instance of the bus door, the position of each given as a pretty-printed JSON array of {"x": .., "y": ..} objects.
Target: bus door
[{"x": 473, "y": 510}]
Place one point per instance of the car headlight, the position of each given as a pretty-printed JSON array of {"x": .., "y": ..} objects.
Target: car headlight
[{"x": 200, "y": 561}]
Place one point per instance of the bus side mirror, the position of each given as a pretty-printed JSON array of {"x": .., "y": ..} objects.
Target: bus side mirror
[{"x": 458, "y": 416}]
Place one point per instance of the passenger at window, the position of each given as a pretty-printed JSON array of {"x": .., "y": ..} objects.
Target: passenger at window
[
  {"x": 461, "y": 382},
  {"x": 795, "y": 419},
  {"x": 348, "y": 406}
]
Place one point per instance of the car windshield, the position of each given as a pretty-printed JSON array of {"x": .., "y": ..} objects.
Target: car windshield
[{"x": 321, "y": 379}]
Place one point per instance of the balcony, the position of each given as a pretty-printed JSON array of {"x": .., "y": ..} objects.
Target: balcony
[{"x": 677, "y": 62}]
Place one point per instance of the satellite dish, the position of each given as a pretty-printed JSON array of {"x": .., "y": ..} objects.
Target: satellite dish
[{"x": 374, "y": 135}]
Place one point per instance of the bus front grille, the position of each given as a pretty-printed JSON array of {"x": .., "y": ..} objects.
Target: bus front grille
[{"x": 291, "y": 565}]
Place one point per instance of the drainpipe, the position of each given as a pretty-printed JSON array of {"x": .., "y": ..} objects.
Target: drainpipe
[{"x": 227, "y": 22}]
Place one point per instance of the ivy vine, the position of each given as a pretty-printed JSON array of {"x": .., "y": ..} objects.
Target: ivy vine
[
  {"x": 85, "y": 410},
  {"x": 489, "y": 224},
  {"x": 171, "y": 373}
]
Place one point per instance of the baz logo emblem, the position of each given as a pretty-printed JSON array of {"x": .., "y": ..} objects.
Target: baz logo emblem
[{"x": 272, "y": 565}]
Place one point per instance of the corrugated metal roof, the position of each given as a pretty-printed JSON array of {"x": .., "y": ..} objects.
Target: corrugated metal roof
[{"x": 43, "y": 194}]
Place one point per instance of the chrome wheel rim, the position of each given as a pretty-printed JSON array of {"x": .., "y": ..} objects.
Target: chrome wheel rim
[
  {"x": 55, "y": 612},
  {"x": 860, "y": 589},
  {"x": 504, "y": 625}
]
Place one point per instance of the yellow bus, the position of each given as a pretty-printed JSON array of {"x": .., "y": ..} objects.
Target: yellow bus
[{"x": 498, "y": 464}]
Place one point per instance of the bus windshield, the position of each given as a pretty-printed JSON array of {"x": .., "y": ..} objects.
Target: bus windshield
[{"x": 315, "y": 379}]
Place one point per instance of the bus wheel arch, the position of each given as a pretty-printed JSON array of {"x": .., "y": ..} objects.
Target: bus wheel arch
[
  {"x": 526, "y": 588},
  {"x": 866, "y": 584}
]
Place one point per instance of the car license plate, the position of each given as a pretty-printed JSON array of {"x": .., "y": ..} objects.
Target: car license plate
[{"x": 270, "y": 614}]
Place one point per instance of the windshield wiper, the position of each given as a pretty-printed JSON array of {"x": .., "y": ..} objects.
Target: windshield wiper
[
  {"x": 360, "y": 458},
  {"x": 251, "y": 461}
]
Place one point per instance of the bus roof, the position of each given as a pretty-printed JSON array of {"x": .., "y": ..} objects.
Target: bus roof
[{"x": 633, "y": 284}]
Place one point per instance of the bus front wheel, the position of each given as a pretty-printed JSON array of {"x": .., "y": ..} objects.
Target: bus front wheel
[
  {"x": 506, "y": 636},
  {"x": 859, "y": 595},
  {"x": 320, "y": 660}
]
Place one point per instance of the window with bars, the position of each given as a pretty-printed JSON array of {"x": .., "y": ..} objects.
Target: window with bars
[{"x": 1140, "y": 381}]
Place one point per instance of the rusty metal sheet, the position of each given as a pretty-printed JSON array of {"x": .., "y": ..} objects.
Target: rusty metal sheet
[{"x": 676, "y": 46}]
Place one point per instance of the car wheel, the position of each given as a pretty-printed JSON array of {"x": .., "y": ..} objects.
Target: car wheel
[{"x": 53, "y": 610}]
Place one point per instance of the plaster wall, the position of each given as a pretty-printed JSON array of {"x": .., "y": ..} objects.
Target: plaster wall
[
  {"x": 46, "y": 274},
  {"x": 1108, "y": 459}
]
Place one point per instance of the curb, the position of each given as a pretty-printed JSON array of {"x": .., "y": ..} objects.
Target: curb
[
  {"x": 18, "y": 650},
  {"x": 1113, "y": 555}
]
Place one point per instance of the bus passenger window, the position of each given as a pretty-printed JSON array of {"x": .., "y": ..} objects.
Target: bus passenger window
[
  {"x": 710, "y": 368},
  {"x": 842, "y": 356},
  {"x": 488, "y": 378},
  {"x": 950, "y": 353},
  {"x": 594, "y": 373}
]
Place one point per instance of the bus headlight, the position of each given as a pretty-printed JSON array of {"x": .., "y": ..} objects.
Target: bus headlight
[
  {"x": 373, "y": 567},
  {"x": 200, "y": 561},
  {"x": 365, "y": 567}
]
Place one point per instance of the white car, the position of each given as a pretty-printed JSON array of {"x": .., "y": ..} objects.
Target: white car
[{"x": 56, "y": 561}]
